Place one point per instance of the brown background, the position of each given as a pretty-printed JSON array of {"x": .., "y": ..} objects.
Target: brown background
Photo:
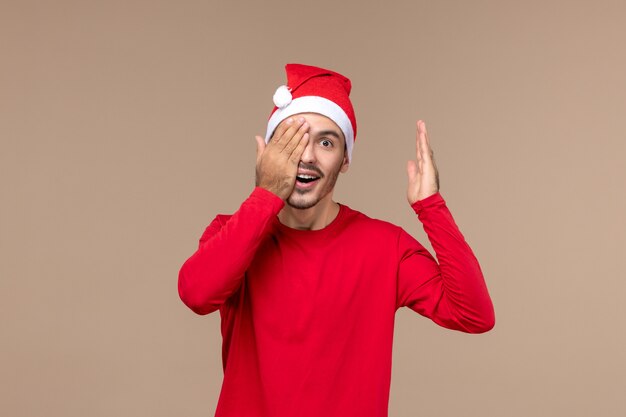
[{"x": 127, "y": 125}]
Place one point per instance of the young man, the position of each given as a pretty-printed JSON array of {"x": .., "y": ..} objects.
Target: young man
[{"x": 307, "y": 288}]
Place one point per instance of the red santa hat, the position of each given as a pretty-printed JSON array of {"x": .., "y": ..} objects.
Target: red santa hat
[{"x": 315, "y": 90}]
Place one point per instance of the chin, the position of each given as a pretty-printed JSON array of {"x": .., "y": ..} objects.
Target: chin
[
  {"x": 302, "y": 202},
  {"x": 305, "y": 199}
]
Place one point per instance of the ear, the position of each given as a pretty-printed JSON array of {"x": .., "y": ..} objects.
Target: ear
[{"x": 345, "y": 164}]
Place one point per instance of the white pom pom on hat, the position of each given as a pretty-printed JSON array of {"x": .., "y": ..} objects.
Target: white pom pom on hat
[
  {"x": 282, "y": 96},
  {"x": 312, "y": 89}
]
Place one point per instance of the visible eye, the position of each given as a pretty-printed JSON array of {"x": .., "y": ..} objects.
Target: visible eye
[{"x": 326, "y": 143}]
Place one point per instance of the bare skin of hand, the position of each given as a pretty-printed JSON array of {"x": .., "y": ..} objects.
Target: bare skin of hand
[
  {"x": 277, "y": 161},
  {"x": 423, "y": 174}
]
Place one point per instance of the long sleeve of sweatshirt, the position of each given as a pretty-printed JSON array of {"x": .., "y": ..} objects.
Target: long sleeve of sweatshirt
[
  {"x": 452, "y": 291},
  {"x": 215, "y": 271}
]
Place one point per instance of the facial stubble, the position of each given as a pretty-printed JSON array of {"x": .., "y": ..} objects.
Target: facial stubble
[{"x": 302, "y": 205}]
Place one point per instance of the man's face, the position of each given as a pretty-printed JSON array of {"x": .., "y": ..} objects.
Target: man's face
[{"x": 321, "y": 162}]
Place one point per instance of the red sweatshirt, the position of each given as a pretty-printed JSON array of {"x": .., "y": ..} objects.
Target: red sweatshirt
[{"x": 307, "y": 316}]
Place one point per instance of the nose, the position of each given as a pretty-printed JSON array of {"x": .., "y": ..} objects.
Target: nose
[{"x": 309, "y": 152}]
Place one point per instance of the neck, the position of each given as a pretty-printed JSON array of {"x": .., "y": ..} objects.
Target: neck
[{"x": 315, "y": 218}]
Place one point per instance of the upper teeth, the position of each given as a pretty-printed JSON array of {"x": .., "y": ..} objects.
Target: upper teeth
[{"x": 306, "y": 177}]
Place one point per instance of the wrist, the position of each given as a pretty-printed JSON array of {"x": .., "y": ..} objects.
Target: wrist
[
  {"x": 277, "y": 190},
  {"x": 269, "y": 197},
  {"x": 433, "y": 200}
]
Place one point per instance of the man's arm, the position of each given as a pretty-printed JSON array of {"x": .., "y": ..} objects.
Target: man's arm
[
  {"x": 452, "y": 292},
  {"x": 215, "y": 271}
]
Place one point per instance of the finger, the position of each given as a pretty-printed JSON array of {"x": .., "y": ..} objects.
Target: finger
[
  {"x": 419, "y": 139},
  {"x": 296, "y": 139},
  {"x": 424, "y": 143},
  {"x": 299, "y": 149},
  {"x": 425, "y": 132},
  {"x": 412, "y": 172},
  {"x": 428, "y": 149},
  {"x": 260, "y": 146},
  {"x": 280, "y": 130},
  {"x": 288, "y": 134}
]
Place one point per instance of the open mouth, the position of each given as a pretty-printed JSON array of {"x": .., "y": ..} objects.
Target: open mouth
[{"x": 306, "y": 179}]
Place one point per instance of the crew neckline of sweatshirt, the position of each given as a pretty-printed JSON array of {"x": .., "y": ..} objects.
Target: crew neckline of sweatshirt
[{"x": 330, "y": 227}]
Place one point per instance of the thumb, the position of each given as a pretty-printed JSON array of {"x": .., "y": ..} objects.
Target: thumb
[
  {"x": 412, "y": 171},
  {"x": 260, "y": 146}
]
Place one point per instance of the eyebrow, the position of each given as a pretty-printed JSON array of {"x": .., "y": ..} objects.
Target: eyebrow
[{"x": 328, "y": 133}]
